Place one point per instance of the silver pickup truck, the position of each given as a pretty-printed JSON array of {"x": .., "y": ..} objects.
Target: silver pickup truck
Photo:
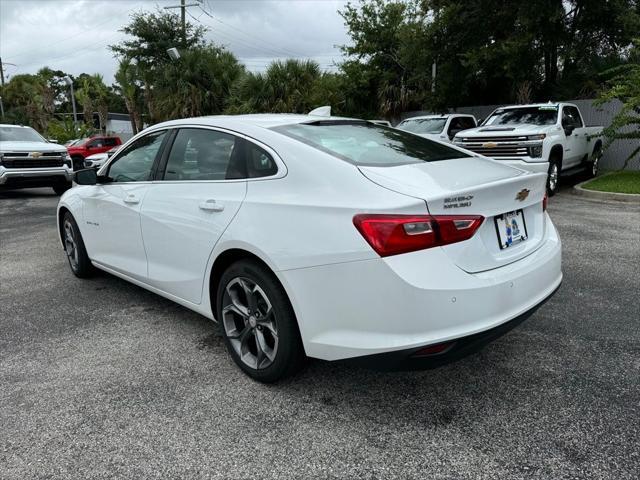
[
  {"x": 28, "y": 160},
  {"x": 541, "y": 137}
]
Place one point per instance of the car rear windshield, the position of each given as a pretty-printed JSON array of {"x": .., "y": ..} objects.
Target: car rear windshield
[
  {"x": 423, "y": 125},
  {"x": 366, "y": 144},
  {"x": 19, "y": 134},
  {"x": 543, "y": 115}
]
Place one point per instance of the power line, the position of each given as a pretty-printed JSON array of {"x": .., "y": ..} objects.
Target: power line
[
  {"x": 261, "y": 40},
  {"x": 49, "y": 45}
]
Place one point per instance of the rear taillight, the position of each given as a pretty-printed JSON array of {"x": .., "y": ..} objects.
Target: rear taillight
[
  {"x": 544, "y": 202},
  {"x": 394, "y": 234}
]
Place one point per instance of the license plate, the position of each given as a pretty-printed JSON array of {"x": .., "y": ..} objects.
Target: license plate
[{"x": 511, "y": 229}]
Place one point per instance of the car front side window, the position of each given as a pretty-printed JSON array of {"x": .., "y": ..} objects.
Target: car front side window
[{"x": 135, "y": 164}]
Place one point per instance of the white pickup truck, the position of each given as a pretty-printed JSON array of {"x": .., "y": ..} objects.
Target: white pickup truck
[
  {"x": 28, "y": 160},
  {"x": 543, "y": 137}
]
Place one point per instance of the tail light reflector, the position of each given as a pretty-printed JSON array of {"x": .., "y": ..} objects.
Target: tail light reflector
[
  {"x": 395, "y": 234},
  {"x": 436, "y": 349},
  {"x": 545, "y": 200}
]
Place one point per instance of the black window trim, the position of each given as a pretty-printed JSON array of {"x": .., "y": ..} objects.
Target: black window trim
[
  {"x": 104, "y": 172},
  {"x": 242, "y": 139}
]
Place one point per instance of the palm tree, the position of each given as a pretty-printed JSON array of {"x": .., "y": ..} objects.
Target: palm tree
[
  {"x": 289, "y": 86},
  {"x": 127, "y": 84}
]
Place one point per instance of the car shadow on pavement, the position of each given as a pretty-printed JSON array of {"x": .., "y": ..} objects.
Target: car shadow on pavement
[{"x": 27, "y": 193}]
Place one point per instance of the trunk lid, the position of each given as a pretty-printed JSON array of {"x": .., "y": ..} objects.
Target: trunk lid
[{"x": 474, "y": 186}]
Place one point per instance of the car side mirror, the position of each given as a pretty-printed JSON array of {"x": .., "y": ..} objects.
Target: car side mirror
[
  {"x": 87, "y": 176},
  {"x": 568, "y": 130}
]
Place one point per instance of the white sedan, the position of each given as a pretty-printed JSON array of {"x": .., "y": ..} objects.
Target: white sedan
[
  {"x": 316, "y": 236},
  {"x": 442, "y": 128}
]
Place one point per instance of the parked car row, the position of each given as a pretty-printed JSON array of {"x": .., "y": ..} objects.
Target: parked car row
[
  {"x": 27, "y": 159},
  {"x": 551, "y": 138}
]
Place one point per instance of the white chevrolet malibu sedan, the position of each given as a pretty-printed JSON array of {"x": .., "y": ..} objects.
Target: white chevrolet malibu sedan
[{"x": 322, "y": 237}]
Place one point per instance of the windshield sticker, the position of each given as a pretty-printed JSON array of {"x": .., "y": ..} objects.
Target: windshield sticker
[{"x": 458, "y": 202}]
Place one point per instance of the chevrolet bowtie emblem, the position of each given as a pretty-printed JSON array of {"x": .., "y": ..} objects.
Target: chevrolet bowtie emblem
[
  {"x": 489, "y": 145},
  {"x": 522, "y": 194},
  {"x": 36, "y": 154}
]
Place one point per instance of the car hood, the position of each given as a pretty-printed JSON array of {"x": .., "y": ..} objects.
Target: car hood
[
  {"x": 98, "y": 156},
  {"x": 31, "y": 147},
  {"x": 505, "y": 130}
]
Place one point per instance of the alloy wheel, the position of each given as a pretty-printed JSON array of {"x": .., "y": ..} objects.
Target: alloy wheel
[
  {"x": 250, "y": 323},
  {"x": 71, "y": 245}
]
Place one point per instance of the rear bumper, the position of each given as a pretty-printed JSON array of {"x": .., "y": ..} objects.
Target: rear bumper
[
  {"x": 404, "y": 302},
  {"x": 454, "y": 350},
  {"x": 34, "y": 177}
]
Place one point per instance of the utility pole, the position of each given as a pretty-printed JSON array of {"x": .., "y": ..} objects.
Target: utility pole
[
  {"x": 183, "y": 11},
  {"x": 69, "y": 83},
  {"x": 2, "y": 70}
]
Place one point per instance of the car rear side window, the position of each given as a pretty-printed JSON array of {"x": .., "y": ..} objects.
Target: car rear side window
[
  {"x": 366, "y": 144},
  {"x": 260, "y": 163}
]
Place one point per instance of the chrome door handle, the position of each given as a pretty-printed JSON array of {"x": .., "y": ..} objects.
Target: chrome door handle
[
  {"x": 211, "y": 205},
  {"x": 131, "y": 199}
]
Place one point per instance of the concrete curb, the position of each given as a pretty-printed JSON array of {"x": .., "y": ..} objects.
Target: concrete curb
[{"x": 596, "y": 195}]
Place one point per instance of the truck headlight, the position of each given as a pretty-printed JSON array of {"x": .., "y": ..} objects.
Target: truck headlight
[
  {"x": 535, "y": 151},
  {"x": 540, "y": 136}
]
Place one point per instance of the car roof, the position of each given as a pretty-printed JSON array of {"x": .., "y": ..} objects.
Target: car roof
[
  {"x": 264, "y": 120},
  {"x": 534, "y": 105},
  {"x": 446, "y": 115},
  {"x": 5, "y": 125}
]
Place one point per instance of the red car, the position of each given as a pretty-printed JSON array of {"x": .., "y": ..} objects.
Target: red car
[{"x": 88, "y": 146}]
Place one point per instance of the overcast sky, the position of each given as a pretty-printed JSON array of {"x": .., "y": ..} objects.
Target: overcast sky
[{"x": 72, "y": 35}]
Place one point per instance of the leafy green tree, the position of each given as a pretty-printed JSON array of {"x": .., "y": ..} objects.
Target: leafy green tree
[
  {"x": 152, "y": 34},
  {"x": 381, "y": 56},
  {"x": 27, "y": 101},
  {"x": 624, "y": 85},
  {"x": 198, "y": 83},
  {"x": 286, "y": 86},
  {"x": 64, "y": 130},
  {"x": 128, "y": 86}
]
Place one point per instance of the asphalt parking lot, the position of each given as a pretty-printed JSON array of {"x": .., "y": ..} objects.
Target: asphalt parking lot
[{"x": 101, "y": 379}]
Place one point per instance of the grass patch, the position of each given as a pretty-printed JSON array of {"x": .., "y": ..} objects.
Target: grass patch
[{"x": 617, "y": 182}]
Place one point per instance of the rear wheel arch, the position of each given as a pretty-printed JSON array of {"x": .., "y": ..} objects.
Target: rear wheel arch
[
  {"x": 223, "y": 261},
  {"x": 597, "y": 146}
]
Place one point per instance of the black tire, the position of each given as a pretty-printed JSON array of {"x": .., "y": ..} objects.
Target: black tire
[
  {"x": 592, "y": 165},
  {"x": 553, "y": 175},
  {"x": 283, "y": 353},
  {"x": 60, "y": 188},
  {"x": 76, "y": 252}
]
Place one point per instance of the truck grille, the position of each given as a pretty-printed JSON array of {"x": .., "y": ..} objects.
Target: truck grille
[
  {"x": 25, "y": 160},
  {"x": 497, "y": 146},
  {"x": 493, "y": 139},
  {"x": 499, "y": 151}
]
